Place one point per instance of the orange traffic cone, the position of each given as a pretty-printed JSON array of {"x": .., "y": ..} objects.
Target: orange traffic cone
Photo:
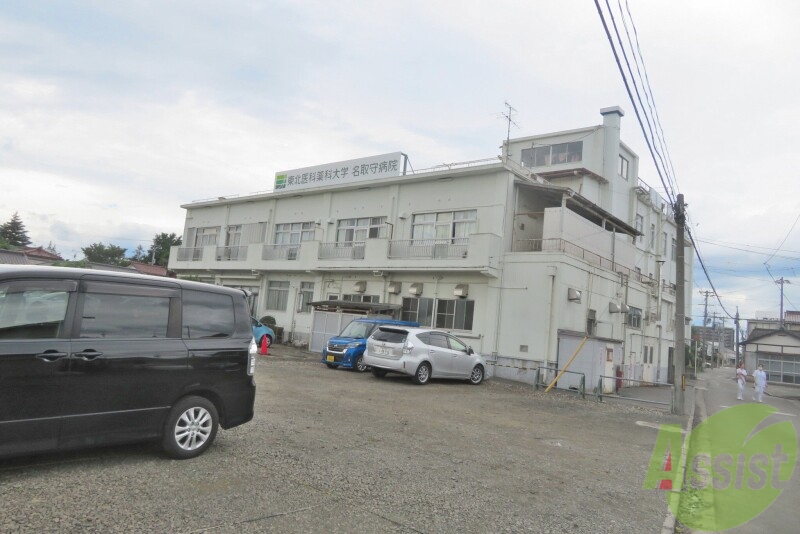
[{"x": 264, "y": 346}]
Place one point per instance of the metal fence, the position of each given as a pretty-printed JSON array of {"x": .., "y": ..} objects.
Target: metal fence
[
  {"x": 455, "y": 247},
  {"x": 620, "y": 382},
  {"x": 541, "y": 379},
  {"x": 344, "y": 250}
]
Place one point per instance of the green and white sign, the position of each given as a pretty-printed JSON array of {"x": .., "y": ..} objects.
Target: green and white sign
[
  {"x": 342, "y": 172},
  {"x": 737, "y": 464}
]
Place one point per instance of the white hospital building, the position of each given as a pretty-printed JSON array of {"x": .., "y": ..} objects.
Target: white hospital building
[{"x": 523, "y": 255}]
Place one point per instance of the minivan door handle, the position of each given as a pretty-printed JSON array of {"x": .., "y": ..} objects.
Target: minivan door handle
[
  {"x": 51, "y": 355},
  {"x": 88, "y": 355}
]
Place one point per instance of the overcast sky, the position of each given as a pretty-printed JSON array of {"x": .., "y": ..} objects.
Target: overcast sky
[{"x": 113, "y": 114}]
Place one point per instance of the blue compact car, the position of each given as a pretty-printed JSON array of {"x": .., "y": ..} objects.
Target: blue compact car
[
  {"x": 260, "y": 331},
  {"x": 347, "y": 349}
]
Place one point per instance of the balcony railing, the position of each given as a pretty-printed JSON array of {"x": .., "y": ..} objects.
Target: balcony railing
[
  {"x": 561, "y": 245},
  {"x": 236, "y": 253},
  {"x": 448, "y": 248},
  {"x": 280, "y": 252},
  {"x": 343, "y": 250},
  {"x": 190, "y": 254}
]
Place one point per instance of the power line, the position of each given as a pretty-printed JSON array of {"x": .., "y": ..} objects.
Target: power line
[
  {"x": 630, "y": 96},
  {"x": 784, "y": 239}
]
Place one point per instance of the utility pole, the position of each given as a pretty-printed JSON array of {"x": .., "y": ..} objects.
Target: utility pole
[
  {"x": 781, "y": 281},
  {"x": 736, "y": 326},
  {"x": 704, "y": 333},
  {"x": 679, "y": 359}
]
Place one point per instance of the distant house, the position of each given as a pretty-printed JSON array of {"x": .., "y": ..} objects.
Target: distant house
[
  {"x": 13, "y": 257},
  {"x": 776, "y": 345},
  {"x": 147, "y": 268},
  {"x": 40, "y": 256}
]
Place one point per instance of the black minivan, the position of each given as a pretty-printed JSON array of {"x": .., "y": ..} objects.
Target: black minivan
[{"x": 90, "y": 358}]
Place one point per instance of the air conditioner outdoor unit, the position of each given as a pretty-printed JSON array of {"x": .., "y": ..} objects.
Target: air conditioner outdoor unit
[
  {"x": 395, "y": 288},
  {"x": 360, "y": 286},
  {"x": 461, "y": 290},
  {"x": 415, "y": 289}
]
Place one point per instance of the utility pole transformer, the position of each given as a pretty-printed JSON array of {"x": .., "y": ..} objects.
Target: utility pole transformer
[{"x": 679, "y": 359}]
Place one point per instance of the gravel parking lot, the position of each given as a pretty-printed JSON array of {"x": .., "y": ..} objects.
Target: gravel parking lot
[{"x": 336, "y": 451}]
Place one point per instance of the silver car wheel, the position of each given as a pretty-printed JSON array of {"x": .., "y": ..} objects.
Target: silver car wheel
[
  {"x": 423, "y": 374},
  {"x": 477, "y": 375},
  {"x": 193, "y": 428},
  {"x": 360, "y": 365}
]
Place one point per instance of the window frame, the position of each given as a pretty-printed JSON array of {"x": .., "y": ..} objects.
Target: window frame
[{"x": 277, "y": 294}]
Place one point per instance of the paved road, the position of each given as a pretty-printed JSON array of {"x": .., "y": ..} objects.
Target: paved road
[
  {"x": 335, "y": 451},
  {"x": 719, "y": 392}
]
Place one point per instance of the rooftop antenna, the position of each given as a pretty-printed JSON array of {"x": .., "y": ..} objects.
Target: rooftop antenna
[{"x": 508, "y": 115}]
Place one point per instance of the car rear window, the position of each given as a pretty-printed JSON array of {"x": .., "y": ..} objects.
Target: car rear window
[{"x": 390, "y": 335}]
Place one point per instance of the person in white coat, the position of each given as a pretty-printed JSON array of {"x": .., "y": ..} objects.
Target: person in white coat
[
  {"x": 760, "y": 378},
  {"x": 741, "y": 378}
]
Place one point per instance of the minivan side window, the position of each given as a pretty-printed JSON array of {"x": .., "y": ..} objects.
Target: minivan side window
[
  {"x": 207, "y": 315},
  {"x": 124, "y": 316},
  {"x": 35, "y": 311}
]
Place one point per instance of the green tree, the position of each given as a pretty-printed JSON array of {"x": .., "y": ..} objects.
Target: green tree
[
  {"x": 100, "y": 253},
  {"x": 159, "y": 250},
  {"x": 4, "y": 244},
  {"x": 51, "y": 247},
  {"x": 14, "y": 232}
]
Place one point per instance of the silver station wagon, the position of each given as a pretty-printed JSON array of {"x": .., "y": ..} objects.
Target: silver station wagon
[{"x": 422, "y": 354}]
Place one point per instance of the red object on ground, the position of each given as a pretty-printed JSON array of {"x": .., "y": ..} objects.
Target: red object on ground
[
  {"x": 264, "y": 346},
  {"x": 666, "y": 484}
]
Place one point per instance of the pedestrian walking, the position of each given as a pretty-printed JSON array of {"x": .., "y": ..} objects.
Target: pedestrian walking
[
  {"x": 741, "y": 377},
  {"x": 760, "y": 378}
]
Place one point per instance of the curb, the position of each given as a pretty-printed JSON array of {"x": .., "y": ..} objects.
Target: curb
[{"x": 669, "y": 522}]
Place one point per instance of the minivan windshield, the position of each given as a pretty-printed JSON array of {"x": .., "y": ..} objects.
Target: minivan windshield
[{"x": 357, "y": 329}]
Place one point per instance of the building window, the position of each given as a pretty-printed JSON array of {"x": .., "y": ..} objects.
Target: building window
[
  {"x": 277, "y": 295},
  {"x": 456, "y": 314},
  {"x": 306, "y": 296},
  {"x": 419, "y": 310},
  {"x": 542, "y": 156},
  {"x": 638, "y": 223},
  {"x": 674, "y": 249},
  {"x": 664, "y": 244},
  {"x": 206, "y": 236},
  {"x": 293, "y": 233},
  {"x": 358, "y": 297},
  {"x": 623, "y": 167},
  {"x": 233, "y": 236},
  {"x": 652, "y": 237},
  {"x": 454, "y": 226},
  {"x": 349, "y": 230},
  {"x": 635, "y": 317},
  {"x": 591, "y": 323}
]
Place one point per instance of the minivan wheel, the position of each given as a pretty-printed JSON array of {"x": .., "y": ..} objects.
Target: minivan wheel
[
  {"x": 423, "y": 374},
  {"x": 477, "y": 375},
  {"x": 378, "y": 373},
  {"x": 191, "y": 428},
  {"x": 360, "y": 366}
]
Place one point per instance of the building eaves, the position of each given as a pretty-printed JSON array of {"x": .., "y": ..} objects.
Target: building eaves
[{"x": 759, "y": 334}]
